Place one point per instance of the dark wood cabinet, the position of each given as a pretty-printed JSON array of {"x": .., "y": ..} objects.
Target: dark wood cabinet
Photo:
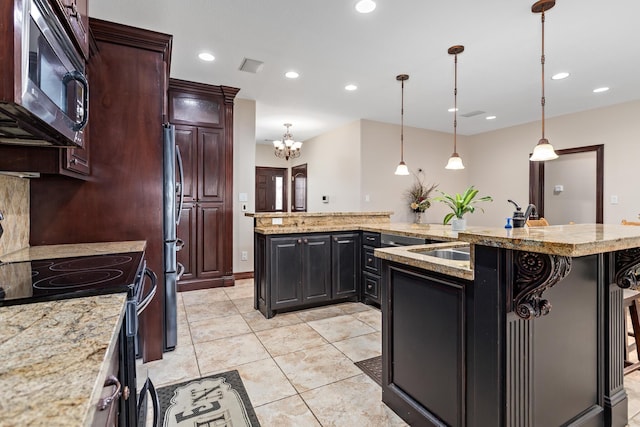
[
  {"x": 345, "y": 264},
  {"x": 370, "y": 268},
  {"x": 74, "y": 16},
  {"x": 203, "y": 116},
  {"x": 300, "y": 270},
  {"x": 303, "y": 270},
  {"x": 122, "y": 200}
]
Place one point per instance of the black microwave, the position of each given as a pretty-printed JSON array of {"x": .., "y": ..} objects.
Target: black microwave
[{"x": 48, "y": 103}]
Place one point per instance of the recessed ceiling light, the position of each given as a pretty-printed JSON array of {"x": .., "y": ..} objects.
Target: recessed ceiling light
[
  {"x": 560, "y": 76},
  {"x": 206, "y": 56},
  {"x": 291, "y": 75},
  {"x": 451, "y": 110},
  {"x": 600, "y": 89},
  {"x": 365, "y": 6},
  {"x": 490, "y": 117},
  {"x": 351, "y": 87}
]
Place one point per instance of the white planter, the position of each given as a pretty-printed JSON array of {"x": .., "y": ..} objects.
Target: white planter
[{"x": 458, "y": 224}]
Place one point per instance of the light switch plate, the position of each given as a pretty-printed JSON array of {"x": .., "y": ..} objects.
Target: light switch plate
[{"x": 276, "y": 221}]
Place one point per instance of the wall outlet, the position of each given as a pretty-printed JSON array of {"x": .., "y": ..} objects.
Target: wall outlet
[
  {"x": 244, "y": 256},
  {"x": 614, "y": 200},
  {"x": 276, "y": 221}
]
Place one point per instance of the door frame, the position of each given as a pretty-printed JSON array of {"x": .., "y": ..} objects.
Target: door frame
[{"x": 536, "y": 179}]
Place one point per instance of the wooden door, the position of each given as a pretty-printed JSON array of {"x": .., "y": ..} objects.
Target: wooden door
[
  {"x": 345, "y": 259},
  {"x": 286, "y": 271},
  {"x": 186, "y": 142},
  {"x": 271, "y": 189},
  {"x": 299, "y": 188},
  {"x": 211, "y": 165},
  {"x": 210, "y": 250},
  {"x": 187, "y": 232},
  {"x": 316, "y": 261}
]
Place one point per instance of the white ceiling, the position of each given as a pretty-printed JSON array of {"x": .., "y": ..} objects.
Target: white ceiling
[{"x": 331, "y": 45}]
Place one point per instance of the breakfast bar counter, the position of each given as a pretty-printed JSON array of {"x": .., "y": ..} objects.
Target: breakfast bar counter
[{"x": 531, "y": 334}]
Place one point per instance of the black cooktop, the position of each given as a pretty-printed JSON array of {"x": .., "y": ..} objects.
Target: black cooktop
[{"x": 61, "y": 278}]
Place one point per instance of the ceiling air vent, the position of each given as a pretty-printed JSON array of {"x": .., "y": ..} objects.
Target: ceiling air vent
[
  {"x": 472, "y": 113},
  {"x": 251, "y": 65}
]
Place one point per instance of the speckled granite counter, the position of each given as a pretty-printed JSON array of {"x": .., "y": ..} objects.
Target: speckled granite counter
[
  {"x": 73, "y": 250},
  {"x": 54, "y": 359}
]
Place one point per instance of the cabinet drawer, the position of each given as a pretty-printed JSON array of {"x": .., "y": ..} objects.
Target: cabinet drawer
[
  {"x": 369, "y": 261},
  {"x": 371, "y": 287},
  {"x": 371, "y": 239}
]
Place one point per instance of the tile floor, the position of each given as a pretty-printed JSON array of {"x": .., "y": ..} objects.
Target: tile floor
[{"x": 298, "y": 367}]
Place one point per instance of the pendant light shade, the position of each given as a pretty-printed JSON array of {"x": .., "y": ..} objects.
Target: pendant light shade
[
  {"x": 455, "y": 161},
  {"x": 402, "y": 168},
  {"x": 543, "y": 150}
]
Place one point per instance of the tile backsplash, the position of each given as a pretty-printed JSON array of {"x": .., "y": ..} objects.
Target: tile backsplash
[{"x": 14, "y": 205}]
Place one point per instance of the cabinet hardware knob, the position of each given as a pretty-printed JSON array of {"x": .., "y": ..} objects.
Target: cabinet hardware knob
[
  {"x": 73, "y": 161},
  {"x": 299, "y": 240},
  {"x": 369, "y": 260},
  {"x": 335, "y": 239},
  {"x": 369, "y": 286},
  {"x": 105, "y": 402},
  {"x": 306, "y": 241}
]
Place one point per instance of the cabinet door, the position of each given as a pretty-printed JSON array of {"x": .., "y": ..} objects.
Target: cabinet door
[
  {"x": 345, "y": 260},
  {"x": 210, "y": 223},
  {"x": 186, "y": 142},
  {"x": 187, "y": 232},
  {"x": 316, "y": 261},
  {"x": 211, "y": 165},
  {"x": 371, "y": 287},
  {"x": 76, "y": 19},
  {"x": 286, "y": 271},
  {"x": 194, "y": 109}
]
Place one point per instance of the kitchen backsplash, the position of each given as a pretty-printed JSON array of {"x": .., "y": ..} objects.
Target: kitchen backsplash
[{"x": 14, "y": 205}]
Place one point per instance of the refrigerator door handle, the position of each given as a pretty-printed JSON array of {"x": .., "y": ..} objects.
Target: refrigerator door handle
[
  {"x": 180, "y": 271},
  {"x": 179, "y": 186},
  {"x": 179, "y": 244}
]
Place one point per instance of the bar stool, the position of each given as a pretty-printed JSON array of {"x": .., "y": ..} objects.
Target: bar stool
[{"x": 632, "y": 302}]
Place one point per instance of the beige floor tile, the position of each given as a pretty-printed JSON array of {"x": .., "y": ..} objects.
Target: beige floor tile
[
  {"x": 203, "y": 296},
  {"x": 362, "y": 347},
  {"x": 315, "y": 367},
  {"x": 340, "y": 328},
  {"x": 353, "y": 307},
  {"x": 184, "y": 334},
  {"x": 175, "y": 366},
  {"x": 258, "y": 322},
  {"x": 289, "y": 412},
  {"x": 210, "y": 310},
  {"x": 265, "y": 382},
  {"x": 372, "y": 318},
  {"x": 220, "y": 327},
  {"x": 244, "y": 305},
  {"x": 279, "y": 341},
  {"x": 239, "y": 291},
  {"x": 355, "y": 401},
  {"x": 632, "y": 387},
  {"x": 320, "y": 313},
  {"x": 222, "y": 354},
  {"x": 634, "y": 422}
]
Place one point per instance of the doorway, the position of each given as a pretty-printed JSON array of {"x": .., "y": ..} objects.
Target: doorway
[
  {"x": 271, "y": 189},
  {"x": 299, "y": 188},
  {"x": 569, "y": 189}
]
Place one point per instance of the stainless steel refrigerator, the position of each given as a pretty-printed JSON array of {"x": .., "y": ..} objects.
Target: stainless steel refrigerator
[{"x": 172, "y": 207}]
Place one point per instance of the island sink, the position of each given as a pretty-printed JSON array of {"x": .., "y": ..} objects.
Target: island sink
[{"x": 454, "y": 254}]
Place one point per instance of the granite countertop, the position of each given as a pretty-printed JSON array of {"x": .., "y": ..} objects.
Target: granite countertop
[
  {"x": 313, "y": 214},
  {"x": 73, "y": 250},
  {"x": 55, "y": 357}
]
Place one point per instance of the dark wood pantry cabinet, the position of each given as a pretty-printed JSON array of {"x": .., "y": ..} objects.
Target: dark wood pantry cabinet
[{"x": 203, "y": 117}]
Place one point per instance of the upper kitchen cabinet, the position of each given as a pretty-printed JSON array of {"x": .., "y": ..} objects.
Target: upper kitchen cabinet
[
  {"x": 203, "y": 116},
  {"x": 44, "y": 93},
  {"x": 76, "y": 21}
]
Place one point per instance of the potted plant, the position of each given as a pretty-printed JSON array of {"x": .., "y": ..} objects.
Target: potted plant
[
  {"x": 461, "y": 204},
  {"x": 418, "y": 196}
]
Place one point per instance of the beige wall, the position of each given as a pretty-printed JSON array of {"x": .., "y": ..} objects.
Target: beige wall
[
  {"x": 14, "y": 205},
  {"x": 501, "y": 166},
  {"x": 244, "y": 161}
]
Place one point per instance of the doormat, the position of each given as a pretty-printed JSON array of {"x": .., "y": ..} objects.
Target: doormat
[
  {"x": 219, "y": 400},
  {"x": 372, "y": 367}
]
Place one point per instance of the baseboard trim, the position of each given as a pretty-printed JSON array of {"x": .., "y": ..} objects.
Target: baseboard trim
[{"x": 243, "y": 275}]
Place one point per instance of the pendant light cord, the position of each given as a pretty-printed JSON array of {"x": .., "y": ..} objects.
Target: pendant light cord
[
  {"x": 542, "y": 59},
  {"x": 455, "y": 102},
  {"x": 402, "y": 123}
]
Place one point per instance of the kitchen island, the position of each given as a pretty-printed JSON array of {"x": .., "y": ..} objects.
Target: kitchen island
[
  {"x": 56, "y": 356},
  {"x": 529, "y": 332}
]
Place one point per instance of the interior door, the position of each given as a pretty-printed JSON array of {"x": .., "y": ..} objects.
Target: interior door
[
  {"x": 299, "y": 188},
  {"x": 271, "y": 189}
]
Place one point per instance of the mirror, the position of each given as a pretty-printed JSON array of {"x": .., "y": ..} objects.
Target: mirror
[{"x": 570, "y": 188}]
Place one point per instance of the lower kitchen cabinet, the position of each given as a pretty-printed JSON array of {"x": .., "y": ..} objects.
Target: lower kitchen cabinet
[
  {"x": 202, "y": 254},
  {"x": 303, "y": 270},
  {"x": 370, "y": 268}
]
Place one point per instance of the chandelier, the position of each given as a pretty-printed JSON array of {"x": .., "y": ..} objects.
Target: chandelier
[{"x": 287, "y": 148}]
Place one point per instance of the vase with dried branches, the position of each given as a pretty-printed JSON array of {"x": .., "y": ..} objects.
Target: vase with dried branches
[{"x": 418, "y": 196}]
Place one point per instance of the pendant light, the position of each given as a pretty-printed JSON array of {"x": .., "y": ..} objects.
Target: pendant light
[
  {"x": 543, "y": 150},
  {"x": 402, "y": 168},
  {"x": 455, "y": 162}
]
